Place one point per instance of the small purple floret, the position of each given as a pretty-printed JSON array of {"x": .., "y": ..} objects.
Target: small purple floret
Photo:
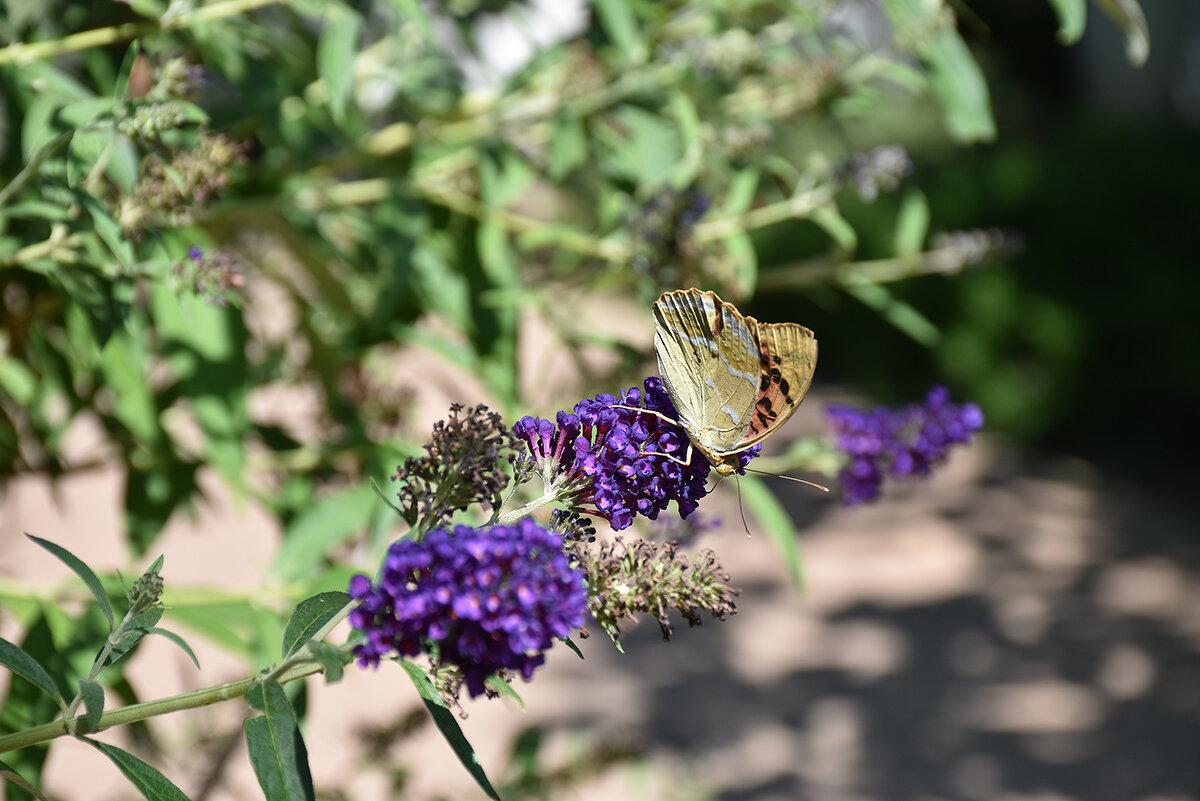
[
  {"x": 487, "y": 599},
  {"x": 905, "y": 443}
]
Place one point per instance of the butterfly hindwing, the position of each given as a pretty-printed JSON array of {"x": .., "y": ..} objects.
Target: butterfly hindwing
[{"x": 789, "y": 359}]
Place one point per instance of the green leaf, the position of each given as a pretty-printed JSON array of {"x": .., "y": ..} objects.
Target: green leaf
[
  {"x": 774, "y": 518},
  {"x": 833, "y": 223},
  {"x": 17, "y": 380},
  {"x": 568, "y": 147},
  {"x": 331, "y": 659},
  {"x": 121, "y": 87},
  {"x": 448, "y": 725},
  {"x": 336, "y": 51},
  {"x": 621, "y": 25},
  {"x": 899, "y": 313},
  {"x": 954, "y": 76},
  {"x": 84, "y": 112},
  {"x": 124, "y": 364},
  {"x": 150, "y": 783},
  {"x": 503, "y": 179},
  {"x": 13, "y": 657},
  {"x": 912, "y": 224},
  {"x": 742, "y": 191},
  {"x": 108, "y": 229},
  {"x": 573, "y": 646},
  {"x": 744, "y": 257},
  {"x": 309, "y": 616},
  {"x": 85, "y": 150},
  {"x": 6, "y": 772},
  {"x": 497, "y": 255},
  {"x": 1128, "y": 14},
  {"x": 504, "y": 688},
  {"x": 175, "y": 638},
  {"x": 276, "y": 749},
  {"x": 93, "y": 702},
  {"x": 331, "y": 521},
  {"x": 1072, "y": 19},
  {"x": 644, "y": 147},
  {"x": 84, "y": 572}
]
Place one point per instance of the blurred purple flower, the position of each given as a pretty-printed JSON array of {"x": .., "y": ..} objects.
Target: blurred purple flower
[
  {"x": 617, "y": 460},
  {"x": 904, "y": 443},
  {"x": 484, "y": 600}
]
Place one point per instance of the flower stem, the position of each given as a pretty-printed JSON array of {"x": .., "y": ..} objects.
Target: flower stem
[
  {"x": 139, "y": 712},
  {"x": 524, "y": 511}
]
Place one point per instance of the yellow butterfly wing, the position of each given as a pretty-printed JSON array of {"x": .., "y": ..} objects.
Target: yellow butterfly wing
[{"x": 711, "y": 366}]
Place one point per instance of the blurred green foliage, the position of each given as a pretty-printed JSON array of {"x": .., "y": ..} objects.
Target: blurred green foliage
[{"x": 203, "y": 202}]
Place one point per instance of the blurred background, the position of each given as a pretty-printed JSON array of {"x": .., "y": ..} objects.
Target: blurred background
[{"x": 257, "y": 256}]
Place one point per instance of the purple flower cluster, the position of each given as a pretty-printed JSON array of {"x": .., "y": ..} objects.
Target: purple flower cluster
[
  {"x": 904, "y": 443},
  {"x": 481, "y": 599},
  {"x": 618, "y": 459}
]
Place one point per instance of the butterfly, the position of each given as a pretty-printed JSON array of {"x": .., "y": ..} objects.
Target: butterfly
[{"x": 734, "y": 381}]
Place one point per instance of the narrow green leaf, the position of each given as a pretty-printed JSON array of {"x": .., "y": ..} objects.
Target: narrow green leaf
[
  {"x": 1072, "y": 19},
  {"x": 497, "y": 255},
  {"x": 954, "y": 76},
  {"x": 309, "y": 616},
  {"x": 573, "y": 646},
  {"x": 744, "y": 257},
  {"x": 87, "y": 148},
  {"x": 84, "y": 572},
  {"x": 771, "y": 515},
  {"x": 121, "y": 87},
  {"x": 898, "y": 312},
  {"x": 912, "y": 223},
  {"x": 13, "y": 657},
  {"x": 621, "y": 25},
  {"x": 11, "y": 775},
  {"x": 833, "y": 223},
  {"x": 1128, "y": 14},
  {"x": 93, "y": 702},
  {"x": 330, "y": 521},
  {"x": 175, "y": 638},
  {"x": 107, "y": 228},
  {"x": 504, "y": 688},
  {"x": 331, "y": 659},
  {"x": 742, "y": 190},
  {"x": 150, "y": 783},
  {"x": 336, "y": 51},
  {"x": 378, "y": 490},
  {"x": 276, "y": 748},
  {"x": 448, "y": 725}
]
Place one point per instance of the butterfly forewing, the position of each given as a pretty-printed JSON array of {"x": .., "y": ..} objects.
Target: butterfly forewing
[{"x": 711, "y": 365}]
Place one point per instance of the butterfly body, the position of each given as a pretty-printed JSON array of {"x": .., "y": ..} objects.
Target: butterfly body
[{"x": 734, "y": 381}]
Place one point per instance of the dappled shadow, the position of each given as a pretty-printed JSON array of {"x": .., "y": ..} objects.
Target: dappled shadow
[{"x": 1033, "y": 634}]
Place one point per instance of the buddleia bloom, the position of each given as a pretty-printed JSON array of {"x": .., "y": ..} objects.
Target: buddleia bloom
[
  {"x": 483, "y": 600},
  {"x": 903, "y": 443},
  {"x": 618, "y": 460}
]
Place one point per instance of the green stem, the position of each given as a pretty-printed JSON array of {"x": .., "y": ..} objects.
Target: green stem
[
  {"x": 35, "y": 163},
  {"x": 524, "y": 511},
  {"x": 24, "y": 53},
  {"x": 139, "y": 712}
]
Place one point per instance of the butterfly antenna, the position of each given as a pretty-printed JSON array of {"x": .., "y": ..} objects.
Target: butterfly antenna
[
  {"x": 821, "y": 487},
  {"x": 741, "y": 511}
]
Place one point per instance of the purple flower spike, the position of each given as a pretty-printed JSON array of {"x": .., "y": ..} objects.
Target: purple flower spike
[
  {"x": 485, "y": 600},
  {"x": 623, "y": 462},
  {"x": 905, "y": 443}
]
